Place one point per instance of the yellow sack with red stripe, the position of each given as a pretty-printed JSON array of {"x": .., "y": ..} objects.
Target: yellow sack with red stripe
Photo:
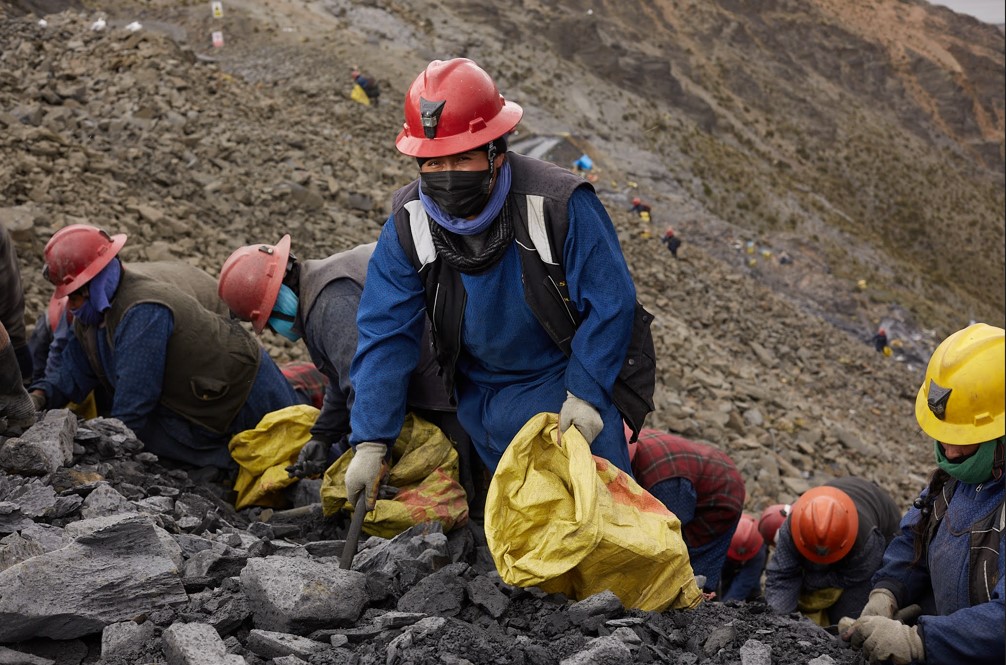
[
  {"x": 424, "y": 469},
  {"x": 264, "y": 453},
  {"x": 569, "y": 522}
]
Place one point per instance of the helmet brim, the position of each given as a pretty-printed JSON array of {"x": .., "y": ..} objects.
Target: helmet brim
[
  {"x": 956, "y": 434},
  {"x": 91, "y": 271},
  {"x": 281, "y": 250},
  {"x": 504, "y": 121}
]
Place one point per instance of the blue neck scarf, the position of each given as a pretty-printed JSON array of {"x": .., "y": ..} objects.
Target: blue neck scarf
[
  {"x": 470, "y": 227},
  {"x": 99, "y": 293},
  {"x": 286, "y": 306}
]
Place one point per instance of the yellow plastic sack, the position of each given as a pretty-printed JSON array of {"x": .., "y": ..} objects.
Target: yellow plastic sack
[
  {"x": 264, "y": 453},
  {"x": 815, "y": 604},
  {"x": 569, "y": 522},
  {"x": 358, "y": 95},
  {"x": 425, "y": 471}
]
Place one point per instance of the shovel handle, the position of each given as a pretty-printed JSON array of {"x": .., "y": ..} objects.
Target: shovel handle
[{"x": 353, "y": 536}]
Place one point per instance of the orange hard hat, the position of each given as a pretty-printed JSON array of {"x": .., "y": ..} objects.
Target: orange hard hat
[
  {"x": 824, "y": 524},
  {"x": 771, "y": 519},
  {"x": 76, "y": 254},
  {"x": 746, "y": 541},
  {"x": 250, "y": 280},
  {"x": 454, "y": 106}
]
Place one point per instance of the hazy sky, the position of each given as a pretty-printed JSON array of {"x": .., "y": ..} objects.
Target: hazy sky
[{"x": 990, "y": 11}]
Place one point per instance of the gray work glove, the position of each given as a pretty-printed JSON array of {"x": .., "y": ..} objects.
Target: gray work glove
[
  {"x": 364, "y": 472},
  {"x": 880, "y": 604},
  {"x": 312, "y": 460},
  {"x": 886, "y": 640},
  {"x": 582, "y": 415}
]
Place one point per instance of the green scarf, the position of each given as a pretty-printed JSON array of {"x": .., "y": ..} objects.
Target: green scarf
[{"x": 974, "y": 469}]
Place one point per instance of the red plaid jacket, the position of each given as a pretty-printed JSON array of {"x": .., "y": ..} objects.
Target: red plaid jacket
[{"x": 719, "y": 488}]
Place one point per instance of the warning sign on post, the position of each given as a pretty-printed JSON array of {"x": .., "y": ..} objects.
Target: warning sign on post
[
  {"x": 218, "y": 39},
  {"x": 218, "y": 9}
]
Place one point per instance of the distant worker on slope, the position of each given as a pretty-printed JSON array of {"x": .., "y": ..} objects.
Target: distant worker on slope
[
  {"x": 949, "y": 554},
  {"x": 828, "y": 548},
  {"x": 317, "y": 301},
  {"x": 183, "y": 378},
  {"x": 698, "y": 483},
  {"x": 368, "y": 84},
  {"x": 879, "y": 341},
  {"x": 672, "y": 241},
  {"x": 517, "y": 264}
]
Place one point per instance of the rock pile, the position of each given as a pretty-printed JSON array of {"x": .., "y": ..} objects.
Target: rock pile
[{"x": 111, "y": 557}]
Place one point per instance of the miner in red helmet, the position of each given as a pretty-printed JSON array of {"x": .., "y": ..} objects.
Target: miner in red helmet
[
  {"x": 518, "y": 267},
  {"x": 828, "y": 549},
  {"x": 745, "y": 563},
  {"x": 183, "y": 378}
]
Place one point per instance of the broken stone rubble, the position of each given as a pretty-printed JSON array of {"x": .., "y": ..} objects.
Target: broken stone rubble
[{"x": 134, "y": 585}]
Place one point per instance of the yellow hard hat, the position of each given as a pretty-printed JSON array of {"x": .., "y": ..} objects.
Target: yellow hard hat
[{"x": 961, "y": 401}]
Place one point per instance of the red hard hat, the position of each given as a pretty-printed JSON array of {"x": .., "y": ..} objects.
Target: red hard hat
[
  {"x": 636, "y": 201},
  {"x": 454, "y": 106},
  {"x": 56, "y": 310},
  {"x": 746, "y": 541},
  {"x": 771, "y": 519},
  {"x": 75, "y": 254},
  {"x": 250, "y": 280},
  {"x": 824, "y": 524}
]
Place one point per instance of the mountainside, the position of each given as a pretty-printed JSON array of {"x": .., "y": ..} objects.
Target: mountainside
[{"x": 865, "y": 141}]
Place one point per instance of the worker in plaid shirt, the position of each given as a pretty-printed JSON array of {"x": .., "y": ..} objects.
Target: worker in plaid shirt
[{"x": 701, "y": 486}]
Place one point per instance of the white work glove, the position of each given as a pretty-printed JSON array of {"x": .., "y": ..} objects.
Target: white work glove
[
  {"x": 880, "y": 604},
  {"x": 582, "y": 415},
  {"x": 884, "y": 639},
  {"x": 364, "y": 472}
]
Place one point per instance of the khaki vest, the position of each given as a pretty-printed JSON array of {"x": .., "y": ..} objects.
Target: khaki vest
[{"x": 211, "y": 360}]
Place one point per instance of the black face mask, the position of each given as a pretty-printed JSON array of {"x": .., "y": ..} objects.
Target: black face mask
[{"x": 458, "y": 193}]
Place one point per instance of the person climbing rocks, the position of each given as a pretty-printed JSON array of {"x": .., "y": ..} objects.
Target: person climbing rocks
[
  {"x": 368, "y": 83},
  {"x": 948, "y": 555},
  {"x": 317, "y": 301},
  {"x": 828, "y": 549},
  {"x": 183, "y": 378},
  {"x": 520, "y": 325},
  {"x": 879, "y": 341},
  {"x": 746, "y": 557},
  {"x": 672, "y": 241},
  {"x": 701, "y": 485}
]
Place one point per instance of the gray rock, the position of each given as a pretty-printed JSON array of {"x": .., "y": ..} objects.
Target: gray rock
[
  {"x": 607, "y": 650},
  {"x": 298, "y": 595},
  {"x": 34, "y": 498},
  {"x": 49, "y": 537},
  {"x": 754, "y": 652},
  {"x": 270, "y": 644},
  {"x": 719, "y": 638},
  {"x": 44, "y": 448},
  {"x": 376, "y": 553},
  {"x": 485, "y": 594},
  {"x": 401, "y": 644},
  {"x": 823, "y": 659},
  {"x": 126, "y": 639},
  {"x": 392, "y": 620},
  {"x": 11, "y": 518},
  {"x": 104, "y": 501},
  {"x": 605, "y": 604},
  {"x": 438, "y": 595},
  {"x": 628, "y": 637},
  {"x": 289, "y": 660},
  {"x": 12, "y": 657},
  {"x": 196, "y": 644},
  {"x": 15, "y": 549},
  {"x": 115, "y": 569}
]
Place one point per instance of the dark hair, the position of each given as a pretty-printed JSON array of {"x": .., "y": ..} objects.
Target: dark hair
[{"x": 921, "y": 529}]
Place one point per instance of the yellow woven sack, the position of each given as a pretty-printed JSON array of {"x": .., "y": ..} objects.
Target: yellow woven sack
[
  {"x": 358, "y": 95},
  {"x": 264, "y": 453},
  {"x": 569, "y": 522},
  {"x": 815, "y": 604},
  {"x": 425, "y": 471}
]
